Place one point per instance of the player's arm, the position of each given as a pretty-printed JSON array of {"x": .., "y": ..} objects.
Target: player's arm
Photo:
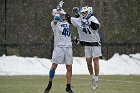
[
  {"x": 72, "y": 20},
  {"x": 94, "y": 23},
  {"x": 53, "y": 25}
]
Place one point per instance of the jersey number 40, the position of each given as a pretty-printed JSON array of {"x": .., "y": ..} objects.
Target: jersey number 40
[{"x": 66, "y": 32}]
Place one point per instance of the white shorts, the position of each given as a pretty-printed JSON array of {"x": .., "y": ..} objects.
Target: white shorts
[
  {"x": 62, "y": 55},
  {"x": 93, "y": 51}
]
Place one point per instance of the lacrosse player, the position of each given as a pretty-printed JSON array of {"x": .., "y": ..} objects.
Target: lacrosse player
[
  {"x": 87, "y": 26},
  {"x": 62, "y": 53}
]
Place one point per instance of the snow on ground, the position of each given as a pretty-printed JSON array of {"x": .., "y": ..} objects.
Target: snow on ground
[{"x": 117, "y": 65}]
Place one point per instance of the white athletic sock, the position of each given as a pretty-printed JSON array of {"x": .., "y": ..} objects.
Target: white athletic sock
[{"x": 95, "y": 78}]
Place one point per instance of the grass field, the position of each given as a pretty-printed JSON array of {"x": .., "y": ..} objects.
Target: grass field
[{"x": 80, "y": 84}]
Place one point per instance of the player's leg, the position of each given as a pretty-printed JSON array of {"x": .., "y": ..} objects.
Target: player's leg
[
  {"x": 96, "y": 66},
  {"x": 52, "y": 71},
  {"x": 96, "y": 52},
  {"x": 51, "y": 76},
  {"x": 88, "y": 55},
  {"x": 55, "y": 58},
  {"x": 96, "y": 70},
  {"x": 69, "y": 62},
  {"x": 69, "y": 77},
  {"x": 89, "y": 65}
]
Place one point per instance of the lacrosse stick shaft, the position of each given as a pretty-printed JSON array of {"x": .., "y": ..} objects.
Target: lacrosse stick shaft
[{"x": 94, "y": 36}]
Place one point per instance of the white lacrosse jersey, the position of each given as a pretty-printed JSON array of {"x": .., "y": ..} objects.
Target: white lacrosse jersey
[
  {"x": 62, "y": 36},
  {"x": 84, "y": 30}
]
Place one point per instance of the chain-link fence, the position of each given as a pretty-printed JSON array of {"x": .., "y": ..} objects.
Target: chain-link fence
[{"x": 25, "y": 26}]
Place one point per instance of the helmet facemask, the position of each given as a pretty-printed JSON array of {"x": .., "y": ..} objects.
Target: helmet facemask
[{"x": 86, "y": 12}]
